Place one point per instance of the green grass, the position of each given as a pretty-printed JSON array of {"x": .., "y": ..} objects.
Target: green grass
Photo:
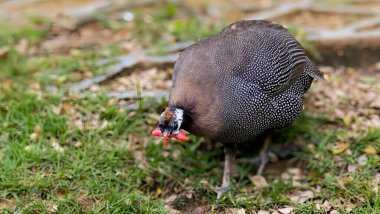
[{"x": 49, "y": 163}]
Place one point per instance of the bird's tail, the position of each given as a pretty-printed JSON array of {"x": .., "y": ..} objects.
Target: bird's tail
[{"x": 312, "y": 70}]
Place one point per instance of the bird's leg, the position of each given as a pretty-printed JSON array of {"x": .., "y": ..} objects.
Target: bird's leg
[
  {"x": 263, "y": 156},
  {"x": 229, "y": 155},
  {"x": 262, "y": 159}
]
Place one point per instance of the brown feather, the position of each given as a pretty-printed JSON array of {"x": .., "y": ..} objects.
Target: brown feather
[{"x": 168, "y": 115}]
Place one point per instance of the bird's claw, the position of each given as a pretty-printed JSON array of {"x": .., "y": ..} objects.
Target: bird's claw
[{"x": 221, "y": 190}]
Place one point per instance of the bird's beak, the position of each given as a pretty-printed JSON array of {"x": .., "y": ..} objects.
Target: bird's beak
[
  {"x": 180, "y": 136},
  {"x": 165, "y": 134}
]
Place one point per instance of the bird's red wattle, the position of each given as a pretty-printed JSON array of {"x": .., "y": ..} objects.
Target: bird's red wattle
[
  {"x": 157, "y": 132},
  {"x": 180, "y": 136}
]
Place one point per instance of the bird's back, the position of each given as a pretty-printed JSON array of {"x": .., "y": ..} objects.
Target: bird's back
[{"x": 249, "y": 78}]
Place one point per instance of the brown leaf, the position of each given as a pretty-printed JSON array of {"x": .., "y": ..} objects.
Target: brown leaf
[
  {"x": 52, "y": 207},
  {"x": 302, "y": 196},
  {"x": 286, "y": 210},
  {"x": 259, "y": 181},
  {"x": 349, "y": 207},
  {"x": 56, "y": 146},
  {"x": 351, "y": 168},
  {"x": 344, "y": 181},
  {"x": 370, "y": 150},
  {"x": 326, "y": 205},
  {"x": 340, "y": 148},
  {"x": 171, "y": 198},
  {"x": 237, "y": 211},
  {"x": 22, "y": 46},
  {"x": 37, "y": 133},
  {"x": 78, "y": 144},
  {"x": 66, "y": 107},
  {"x": 34, "y": 86},
  {"x": 7, "y": 84},
  {"x": 4, "y": 51}
]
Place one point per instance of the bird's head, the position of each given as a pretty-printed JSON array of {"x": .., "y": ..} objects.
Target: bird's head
[{"x": 169, "y": 125}]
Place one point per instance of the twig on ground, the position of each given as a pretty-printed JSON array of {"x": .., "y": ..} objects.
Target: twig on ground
[
  {"x": 281, "y": 10},
  {"x": 347, "y": 34},
  {"x": 157, "y": 95},
  {"x": 128, "y": 61},
  {"x": 345, "y": 37}
]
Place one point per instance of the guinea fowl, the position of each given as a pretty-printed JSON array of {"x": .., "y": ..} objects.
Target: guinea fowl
[{"x": 236, "y": 85}]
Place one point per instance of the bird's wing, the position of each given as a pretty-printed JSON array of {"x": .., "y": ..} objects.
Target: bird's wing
[
  {"x": 286, "y": 67},
  {"x": 272, "y": 57}
]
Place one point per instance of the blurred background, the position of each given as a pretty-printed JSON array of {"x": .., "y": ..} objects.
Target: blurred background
[{"x": 83, "y": 83}]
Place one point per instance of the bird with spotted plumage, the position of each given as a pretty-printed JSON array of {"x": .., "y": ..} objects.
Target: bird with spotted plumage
[{"x": 232, "y": 87}]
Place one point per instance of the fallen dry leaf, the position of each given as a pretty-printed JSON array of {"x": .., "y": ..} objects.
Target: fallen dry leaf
[
  {"x": 78, "y": 144},
  {"x": 173, "y": 211},
  {"x": 4, "y": 51},
  {"x": 7, "y": 84},
  {"x": 52, "y": 207},
  {"x": 171, "y": 198},
  {"x": 302, "y": 196},
  {"x": 56, "y": 146},
  {"x": 158, "y": 192},
  {"x": 66, "y": 107},
  {"x": 362, "y": 160},
  {"x": 349, "y": 207},
  {"x": 34, "y": 86},
  {"x": 263, "y": 212},
  {"x": 103, "y": 125},
  {"x": 286, "y": 210},
  {"x": 340, "y": 148},
  {"x": 344, "y": 181},
  {"x": 259, "y": 181},
  {"x": 33, "y": 136},
  {"x": 326, "y": 205},
  {"x": 351, "y": 168},
  {"x": 370, "y": 150},
  {"x": 37, "y": 133},
  {"x": 238, "y": 211},
  {"x": 376, "y": 182}
]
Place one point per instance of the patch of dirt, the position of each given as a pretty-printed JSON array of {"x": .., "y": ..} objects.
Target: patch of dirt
[
  {"x": 146, "y": 77},
  {"x": 188, "y": 202},
  {"x": 63, "y": 37},
  {"x": 47, "y": 8},
  {"x": 7, "y": 204},
  {"x": 349, "y": 95},
  {"x": 364, "y": 3},
  {"x": 325, "y": 20}
]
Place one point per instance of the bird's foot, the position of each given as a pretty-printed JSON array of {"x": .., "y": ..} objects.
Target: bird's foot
[{"x": 221, "y": 190}]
